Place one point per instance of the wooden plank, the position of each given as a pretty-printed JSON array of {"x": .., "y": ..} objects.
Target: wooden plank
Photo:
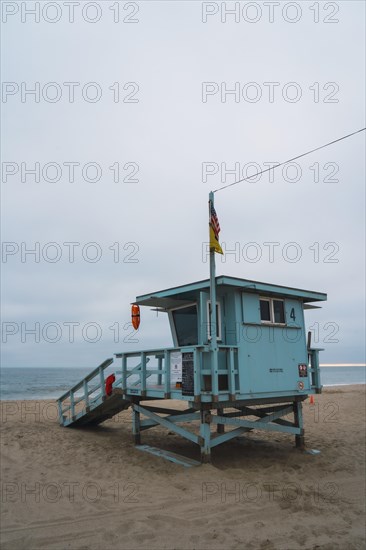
[
  {"x": 164, "y": 410},
  {"x": 222, "y": 438},
  {"x": 167, "y": 424},
  {"x": 168, "y": 455}
]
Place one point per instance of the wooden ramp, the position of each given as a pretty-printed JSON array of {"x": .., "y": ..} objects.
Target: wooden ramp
[
  {"x": 106, "y": 408},
  {"x": 88, "y": 403}
]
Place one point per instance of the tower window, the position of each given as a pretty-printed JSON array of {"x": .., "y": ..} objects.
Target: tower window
[{"x": 272, "y": 311}]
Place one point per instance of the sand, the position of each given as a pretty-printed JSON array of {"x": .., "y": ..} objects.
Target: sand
[{"x": 91, "y": 489}]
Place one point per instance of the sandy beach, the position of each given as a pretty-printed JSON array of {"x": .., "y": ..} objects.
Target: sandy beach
[{"x": 91, "y": 488}]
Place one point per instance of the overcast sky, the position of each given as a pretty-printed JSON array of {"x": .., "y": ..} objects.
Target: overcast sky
[{"x": 148, "y": 94}]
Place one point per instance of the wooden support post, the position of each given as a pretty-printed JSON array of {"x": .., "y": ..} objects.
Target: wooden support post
[
  {"x": 136, "y": 425},
  {"x": 205, "y": 433},
  {"x": 197, "y": 366},
  {"x": 72, "y": 405},
  {"x": 160, "y": 366},
  {"x": 300, "y": 438},
  {"x": 124, "y": 372},
  {"x": 167, "y": 374},
  {"x": 231, "y": 375},
  {"x": 220, "y": 427},
  {"x": 102, "y": 383},
  {"x": 143, "y": 374},
  {"x": 86, "y": 395}
]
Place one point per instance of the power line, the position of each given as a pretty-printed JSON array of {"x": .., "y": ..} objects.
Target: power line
[{"x": 290, "y": 160}]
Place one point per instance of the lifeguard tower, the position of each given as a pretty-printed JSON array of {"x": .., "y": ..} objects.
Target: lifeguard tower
[
  {"x": 241, "y": 360},
  {"x": 242, "y": 365},
  {"x": 261, "y": 365}
]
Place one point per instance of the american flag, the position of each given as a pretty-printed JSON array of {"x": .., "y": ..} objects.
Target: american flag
[{"x": 214, "y": 221}]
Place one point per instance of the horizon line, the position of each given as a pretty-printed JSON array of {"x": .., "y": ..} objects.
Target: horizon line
[{"x": 342, "y": 364}]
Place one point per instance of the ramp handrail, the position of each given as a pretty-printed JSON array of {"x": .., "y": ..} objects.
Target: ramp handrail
[
  {"x": 98, "y": 372},
  {"x": 91, "y": 375},
  {"x": 84, "y": 384}
]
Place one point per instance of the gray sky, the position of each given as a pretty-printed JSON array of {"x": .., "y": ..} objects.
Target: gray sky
[{"x": 166, "y": 119}]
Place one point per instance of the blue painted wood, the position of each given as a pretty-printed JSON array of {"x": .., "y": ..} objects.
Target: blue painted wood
[
  {"x": 72, "y": 405},
  {"x": 152, "y": 299},
  {"x": 257, "y": 424},
  {"x": 124, "y": 372},
  {"x": 160, "y": 370},
  {"x": 167, "y": 424},
  {"x": 136, "y": 424},
  {"x": 90, "y": 376},
  {"x": 232, "y": 372},
  {"x": 143, "y": 373},
  {"x": 171, "y": 418},
  {"x": 205, "y": 433},
  {"x": 253, "y": 362},
  {"x": 167, "y": 388},
  {"x": 169, "y": 411},
  {"x": 250, "y": 305},
  {"x": 172, "y": 457},
  {"x": 86, "y": 393},
  {"x": 197, "y": 374},
  {"x": 223, "y": 438},
  {"x": 268, "y": 355},
  {"x": 102, "y": 382},
  {"x": 93, "y": 395},
  {"x": 315, "y": 370}
]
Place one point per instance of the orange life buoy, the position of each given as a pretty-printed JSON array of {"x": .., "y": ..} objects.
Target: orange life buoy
[{"x": 135, "y": 316}]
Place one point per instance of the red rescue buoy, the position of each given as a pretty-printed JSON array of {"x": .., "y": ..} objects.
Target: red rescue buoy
[
  {"x": 135, "y": 316},
  {"x": 109, "y": 384}
]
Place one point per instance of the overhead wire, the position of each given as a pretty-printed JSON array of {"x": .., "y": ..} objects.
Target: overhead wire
[{"x": 289, "y": 160}]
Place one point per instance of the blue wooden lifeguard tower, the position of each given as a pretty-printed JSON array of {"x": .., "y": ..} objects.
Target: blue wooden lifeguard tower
[{"x": 242, "y": 365}]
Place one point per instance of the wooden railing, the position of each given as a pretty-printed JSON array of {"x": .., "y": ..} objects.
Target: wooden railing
[
  {"x": 93, "y": 391},
  {"x": 68, "y": 402},
  {"x": 202, "y": 369},
  {"x": 314, "y": 370},
  {"x": 133, "y": 379}
]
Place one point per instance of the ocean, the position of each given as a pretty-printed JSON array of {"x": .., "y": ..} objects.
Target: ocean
[
  {"x": 46, "y": 383},
  {"x": 38, "y": 383}
]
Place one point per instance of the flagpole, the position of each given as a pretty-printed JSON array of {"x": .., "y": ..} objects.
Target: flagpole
[{"x": 213, "y": 319}]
